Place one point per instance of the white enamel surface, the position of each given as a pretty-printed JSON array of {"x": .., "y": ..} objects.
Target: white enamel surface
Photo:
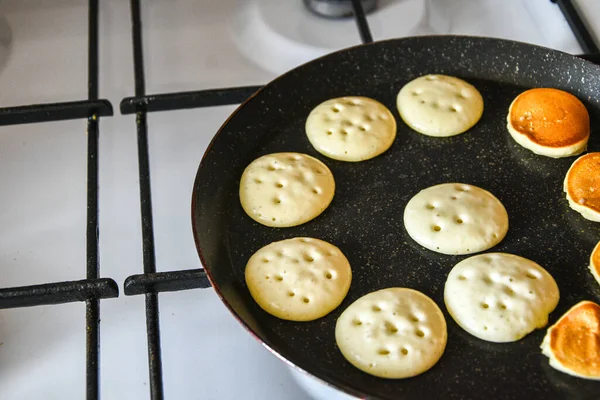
[
  {"x": 188, "y": 45},
  {"x": 278, "y": 44},
  {"x": 316, "y": 389}
]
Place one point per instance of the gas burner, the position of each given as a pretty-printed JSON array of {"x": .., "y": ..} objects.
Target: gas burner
[
  {"x": 279, "y": 35},
  {"x": 338, "y": 8}
]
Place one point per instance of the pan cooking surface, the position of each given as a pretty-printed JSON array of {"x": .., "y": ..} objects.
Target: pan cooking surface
[{"x": 365, "y": 218}]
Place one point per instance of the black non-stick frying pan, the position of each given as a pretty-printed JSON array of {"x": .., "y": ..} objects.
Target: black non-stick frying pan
[{"x": 365, "y": 218}]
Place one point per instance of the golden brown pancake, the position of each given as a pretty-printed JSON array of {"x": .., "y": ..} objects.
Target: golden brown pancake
[
  {"x": 596, "y": 258},
  {"x": 595, "y": 262},
  {"x": 573, "y": 343},
  {"x": 582, "y": 184},
  {"x": 550, "y": 118}
]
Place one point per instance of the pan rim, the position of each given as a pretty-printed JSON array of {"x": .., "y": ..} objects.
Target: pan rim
[{"x": 331, "y": 382}]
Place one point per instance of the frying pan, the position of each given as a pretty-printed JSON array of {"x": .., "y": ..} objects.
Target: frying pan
[{"x": 365, "y": 218}]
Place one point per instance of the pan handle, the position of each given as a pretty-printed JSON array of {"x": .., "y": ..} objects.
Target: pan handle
[{"x": 170, "y": 281}]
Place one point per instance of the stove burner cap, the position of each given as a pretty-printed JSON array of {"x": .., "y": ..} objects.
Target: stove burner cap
[{"x": 337, "y": 8}]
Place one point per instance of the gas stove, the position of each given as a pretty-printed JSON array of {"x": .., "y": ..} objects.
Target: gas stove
[{"x": 107, "y": 108}]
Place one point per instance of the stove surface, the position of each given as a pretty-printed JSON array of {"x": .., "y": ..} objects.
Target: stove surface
[{"x": 188, "y": 45}]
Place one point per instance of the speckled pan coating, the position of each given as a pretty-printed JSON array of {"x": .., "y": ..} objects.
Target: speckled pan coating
[{"x": 365, "y": 218}]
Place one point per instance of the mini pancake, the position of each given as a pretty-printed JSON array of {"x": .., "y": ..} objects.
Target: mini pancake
[
  {"x": 582, "y": 186},
  {"x": 286, "y": 189},
  {"x": 573, "y": 343},
  {"x": 549, "y": 122},
  {"x": 455, "y": 218},
  {"x": 392, "y": 333},
  {"x": 595, "y": 262},
  {"x": 351, "y": 128},
  {"x": 500, "y": 297},
  {"x": 439, "y": 105},
  {"x": 299, "y": 279}
]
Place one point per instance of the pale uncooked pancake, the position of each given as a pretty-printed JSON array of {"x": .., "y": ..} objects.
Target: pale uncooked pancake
[
  {"x": 439, "y": 105},
  {"x": 500, "y": 297},
  {"x": 299, "y": 279},
  {"x": 392, "y": 333},
  {"x": 549, "y": 122},
  {"x": 455, "y": 218},
  {"x": 286, "y": 189},
  {"x": 595, "y": 262},
  {"x": 582, "y": 186},
  {"x": 573, "y": 343},
  {"x": 351, "y": 128}
]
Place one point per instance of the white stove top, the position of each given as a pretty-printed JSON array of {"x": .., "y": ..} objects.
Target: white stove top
[{"x": 188, "y": 45}]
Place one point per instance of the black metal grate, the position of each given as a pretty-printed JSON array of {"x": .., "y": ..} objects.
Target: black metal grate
[
  {"x": 93, "y": 288},
  {"x": 581, "y": 32},
  {"x": 149, "y": 283}
]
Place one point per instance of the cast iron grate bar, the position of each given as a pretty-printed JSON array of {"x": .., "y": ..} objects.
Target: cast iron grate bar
[
  {"x": 581, "y": 32},
  {"x": 361, "y": 22},
  {"x": 92, "y": 306},
  {"x": 58, "y": 293},
  {"x": 55, "y": 111},
  {"x": 170, "y": 281},
  {"x": 184, "y": 100},
  {"x": 149, "y": 259}
]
